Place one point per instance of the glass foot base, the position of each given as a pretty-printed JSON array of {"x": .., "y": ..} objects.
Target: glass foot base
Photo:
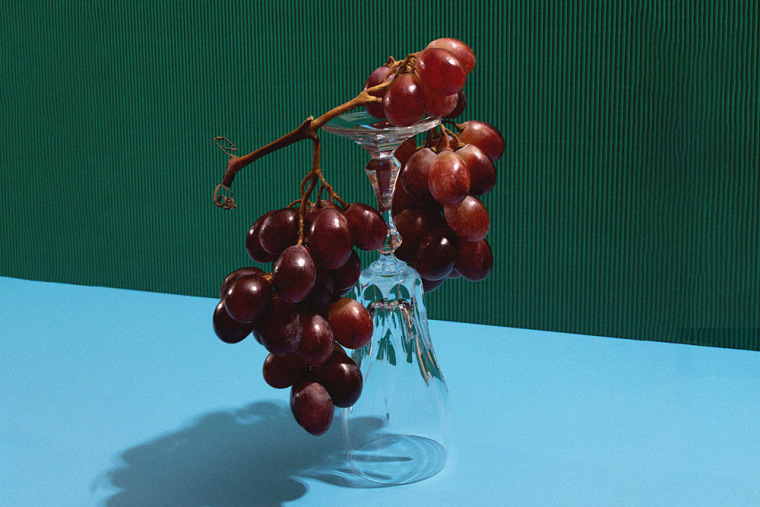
[{"x": 398, "y": 459}]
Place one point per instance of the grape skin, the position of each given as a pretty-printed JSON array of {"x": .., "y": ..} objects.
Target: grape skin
[
  {"x": 294, "y": 274},
  {"x": 403, "y": 102},
  {"x": 247, "y": 296},
  {"x": 312, "y": 407},
  {"x": 448, "y": 178},
  {"x": 440, "y": 71},
  {"x": 468, "y": 219}
]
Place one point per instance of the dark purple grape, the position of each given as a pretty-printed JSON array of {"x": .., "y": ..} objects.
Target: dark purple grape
[
  {"x": 437, "y": 105},
  {"x": 436, "y": 254},
  {"x": 318, "y": 208},
  {"x": 401, "y": 198},
  {"x": 429, "y": 286},
  {"x": 482, "y": 170},
  {"x": 377, "y": 77},
  {"x": 440, "y": 71},
  {"x": 461, "y": 51},
  {"x": 368, "y": 229},
  {"x": 228, "y": 329},
  {"x": 294, "y": 274},
  {"x": 247, "y": 296},
  {"x": 235, "y": 275},
  {"x": 342, "y": 378},
  {"x": 412, "y": 226},
  {"x": 474, "y": 261},
  {"x": 278, "y": 327},
  {"x": 448, "y": 178},
  {"x": 405, "y": 150},
  {"x": 322, "y": 292},
  {"x": 351, "y": 323},
  {"x": 468, "y": 219},
  {"x": 284, "y": 371},
  {"x": 330, "y": 239},
  {"x": 312, "y": 407},
  {"x": 403, "y": 101},
  {"x": 414, "y": 178},
  {"x": 345, "y": 277},
  {"x": 279, "y": 231},
  {"x": 484, "y": 136},
  {"x": 316, "y": 343},
  {"x": 253, "y": 241},
  {"x": 459, "y": 109}
]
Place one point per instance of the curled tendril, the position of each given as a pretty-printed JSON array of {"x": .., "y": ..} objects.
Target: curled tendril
[
  {"x": 226, "y": 146},
  {"x": 224, "y": 201}
]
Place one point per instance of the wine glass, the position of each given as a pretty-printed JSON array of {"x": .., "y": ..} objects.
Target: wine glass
[{"x": 396, "y": 432}]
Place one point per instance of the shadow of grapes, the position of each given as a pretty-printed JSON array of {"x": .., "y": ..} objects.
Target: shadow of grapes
[{"x": 251, "y": 456}]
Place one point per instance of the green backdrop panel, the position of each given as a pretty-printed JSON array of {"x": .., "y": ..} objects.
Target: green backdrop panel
[{"x": 627, "y": 203}]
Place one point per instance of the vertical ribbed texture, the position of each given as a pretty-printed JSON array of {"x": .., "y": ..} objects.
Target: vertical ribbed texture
[{"x": 628, "y": 200}]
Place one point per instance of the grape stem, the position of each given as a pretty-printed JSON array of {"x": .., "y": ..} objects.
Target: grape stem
[{"x": 306, "y": 130}]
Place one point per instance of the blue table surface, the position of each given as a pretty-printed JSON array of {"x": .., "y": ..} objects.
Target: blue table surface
[{"x": 117, "y": 397}]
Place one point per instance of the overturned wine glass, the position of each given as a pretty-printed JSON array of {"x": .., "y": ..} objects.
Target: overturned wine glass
[{"x": 397, "y": 432}]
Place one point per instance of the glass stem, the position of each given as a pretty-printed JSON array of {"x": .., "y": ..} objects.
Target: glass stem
[{"x": 383, "y": 173}]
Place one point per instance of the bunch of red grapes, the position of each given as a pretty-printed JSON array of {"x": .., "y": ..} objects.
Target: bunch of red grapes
[
  {"x": 436, "y": 205},
  {"x": 433, "y": 86},
  {"x": 437, "y": 208},
  {"x": 298, "y": 311}
]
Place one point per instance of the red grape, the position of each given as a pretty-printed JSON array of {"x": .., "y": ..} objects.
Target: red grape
[
  {"x": 429, "y": 286},
  {"x": 322, "y": 292},
  {"x": 412, "y": 226},
  {"x": 459, "y": 49},
  {"x": 330, "y": 239},
  {"x": 379, "y": 75},
  {"x": 346, "y": 276},
  {"x": 401, "y": 198},
  {"x": 318, "y": 208},
  {"x": 468, "y": 219},
  {"x": 403, "y": 102},
  {"x": 448, "y": 178},
  {"x": 368, "y": 229},
  {"x": 278, "y": 327},
  {"x": 279, "y": 230},
  {"x": 438, "y": 105},
  {"x": 228, "y": 329},
  {"x": 405, "y": 150},
  {"x": 341, "y": 377},
  {"x": 440, "y": 71},
  {"x": 436, "y": 254},
  {"x": 253, "y": 242},
  {"x": 312, "y": 407},
  {"x": 283, "y": 371},
  {"x": 316, "y": 343},
  {"x": 474, "y": 261},
  {"x": 414, "y": 178},
  {"x": 351, "y": 323},
  {"x": 235, "y": 275},
  {"x": 482, "y": 170},
  {"x": 246, "y": 297},
  {"x": 484, "y": 136},
  {"x": 459, "y": 109},
  {"x": 294, "y": 274}
]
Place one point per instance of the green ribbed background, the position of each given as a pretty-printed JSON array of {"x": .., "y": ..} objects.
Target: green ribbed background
[{"x": 628, "y": 201}]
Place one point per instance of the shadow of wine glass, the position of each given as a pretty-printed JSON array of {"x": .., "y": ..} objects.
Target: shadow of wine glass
[{"x": 251, "y": 456}]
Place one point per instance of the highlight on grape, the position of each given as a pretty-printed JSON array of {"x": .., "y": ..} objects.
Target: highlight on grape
[{"x": 298, "y": 309}]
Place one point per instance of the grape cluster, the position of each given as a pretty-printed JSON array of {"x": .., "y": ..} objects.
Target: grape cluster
[
  {"x": 298, "y": 311},
  {"x": 436, "y": 207},
  {"x": 431, "y": 84}
]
